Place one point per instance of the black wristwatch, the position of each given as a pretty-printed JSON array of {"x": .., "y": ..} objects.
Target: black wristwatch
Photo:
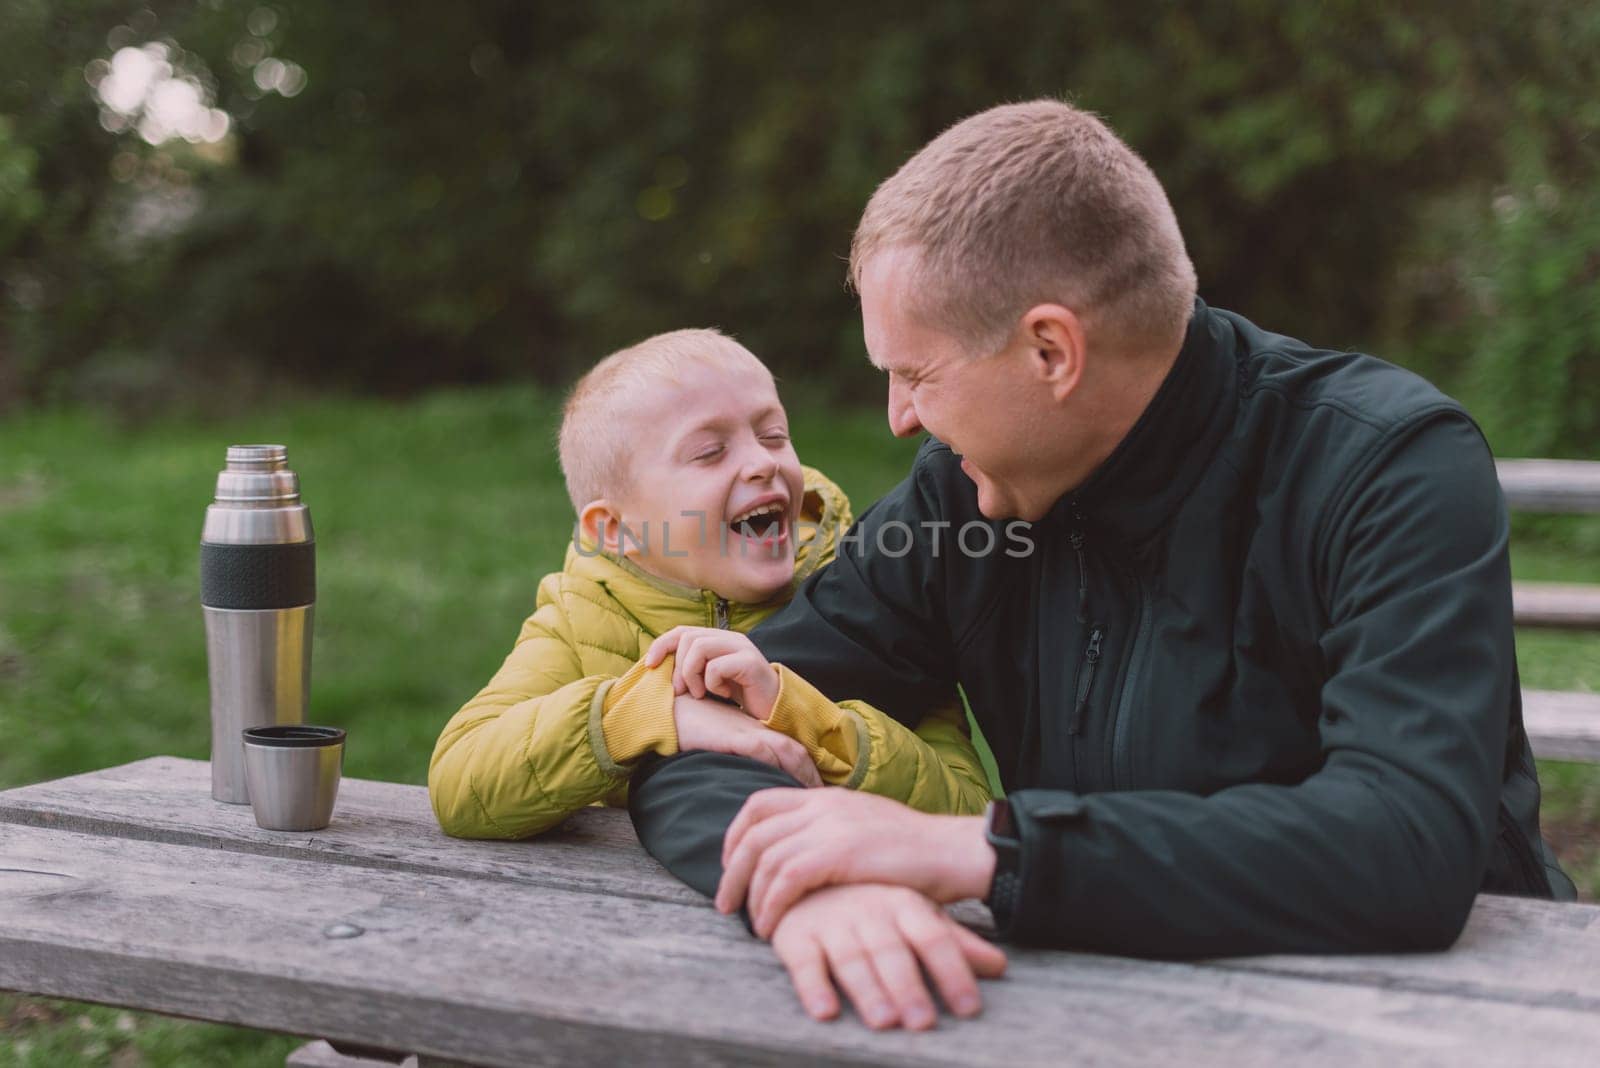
[{"x": 1005, "y": 892}]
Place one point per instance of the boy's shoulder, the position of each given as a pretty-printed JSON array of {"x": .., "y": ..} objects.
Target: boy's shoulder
[
  {"x": 576, "y": 588},
  {"x": 824, "y": 516},
  {"x": 584, "y": 612}
]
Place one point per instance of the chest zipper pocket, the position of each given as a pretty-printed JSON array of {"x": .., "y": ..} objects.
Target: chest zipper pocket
[
  {"x": 1086, "y": 670},
  {"x": 721, "y": 614}
]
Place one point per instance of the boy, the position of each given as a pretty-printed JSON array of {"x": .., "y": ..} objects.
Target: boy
[{"x": 693, "y": 511}]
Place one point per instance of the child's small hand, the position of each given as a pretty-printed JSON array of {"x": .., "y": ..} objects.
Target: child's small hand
[
  {"x": 706, "y": 723},
  {"x": 722, "y": 662}
]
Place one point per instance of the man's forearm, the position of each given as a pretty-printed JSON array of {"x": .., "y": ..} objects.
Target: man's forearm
[
  {"x": 682, "y": 805},
  {"x": 1333, "y": 865}
]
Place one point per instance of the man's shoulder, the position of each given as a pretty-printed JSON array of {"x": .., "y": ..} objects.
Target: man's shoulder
[
  {"x": 1336, "y": 387},
  {"x": 1324, "y": 428}
]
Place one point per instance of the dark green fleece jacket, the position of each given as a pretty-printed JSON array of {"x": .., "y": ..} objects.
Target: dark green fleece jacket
[{"x": 1251, "y": 688}]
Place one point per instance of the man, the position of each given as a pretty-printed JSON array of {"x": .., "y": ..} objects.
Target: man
[{"x": 1251, "y": 684}]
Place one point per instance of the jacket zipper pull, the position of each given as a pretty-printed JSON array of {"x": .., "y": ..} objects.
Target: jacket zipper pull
[
  {"x": 1077, "y": 539},
  {"x": 1091, "y": 657},
  {"x": 722, "y": 614}
]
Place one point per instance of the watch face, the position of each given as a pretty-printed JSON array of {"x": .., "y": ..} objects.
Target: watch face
[{"x": 1001, "y": 825}]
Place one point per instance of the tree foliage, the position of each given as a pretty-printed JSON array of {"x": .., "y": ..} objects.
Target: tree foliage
[{"x": 471, "y": 191}]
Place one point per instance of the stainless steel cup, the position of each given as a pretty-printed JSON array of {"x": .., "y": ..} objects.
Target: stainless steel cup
[
  {"x": 293, "y": 772},
  {"x": 257, "y": 585}
]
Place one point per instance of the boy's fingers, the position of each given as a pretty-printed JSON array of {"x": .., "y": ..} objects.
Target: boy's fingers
[
  {"x": 747, "y": 669},
  {"x": 681, "y": 653},
  {"x": 797, "y": 762},
  {"x": 689, "y": 648},
  {"x": 718, "y": 674},
  {"x": 692, "y": 662},
  {"x": 662, "y": 646},
  {"x": 785, "y": 758}
]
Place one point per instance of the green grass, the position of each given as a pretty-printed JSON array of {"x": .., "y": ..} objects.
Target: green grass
[{"x": 435, "y": 520}]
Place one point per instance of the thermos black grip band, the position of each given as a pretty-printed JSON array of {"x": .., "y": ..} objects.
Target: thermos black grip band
[{"x": 258, "y": 576}]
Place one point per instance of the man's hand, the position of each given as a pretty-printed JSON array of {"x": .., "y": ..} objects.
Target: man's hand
[
  {"x": 706, "y": 723},
  {"x": 871, "y": 940},
  {"x": 723, "y": 662},
  {"x": 785, "y": 843}
]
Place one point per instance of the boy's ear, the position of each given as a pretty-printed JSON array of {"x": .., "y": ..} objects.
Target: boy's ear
[{"x": 601, "y": 524}]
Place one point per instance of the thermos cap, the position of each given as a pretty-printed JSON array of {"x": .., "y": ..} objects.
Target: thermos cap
[
  {"x": 257, "y": 500},
  {"x": 270, "y": 456},
  {"x": 258, "y": 475}
]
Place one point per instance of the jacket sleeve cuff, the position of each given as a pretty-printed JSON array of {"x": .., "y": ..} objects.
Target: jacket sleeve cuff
[
  {"x": 632, "y": 716},
  {"x": 1044, "y": 821},
  {"x": 835, "y": 737}
]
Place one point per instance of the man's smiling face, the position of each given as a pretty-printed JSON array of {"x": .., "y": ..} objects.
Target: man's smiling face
[{"x": 995, "y": 410}]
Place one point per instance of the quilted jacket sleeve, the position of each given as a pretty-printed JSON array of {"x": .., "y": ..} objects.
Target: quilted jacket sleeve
[
  {"x": 530, "y": 748},
  {"x": 934, "y": 768}
]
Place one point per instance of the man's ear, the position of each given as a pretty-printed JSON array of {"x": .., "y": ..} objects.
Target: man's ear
[
  {"x": 601, "y": 524},
  {"x": 1058, "y": 349}
]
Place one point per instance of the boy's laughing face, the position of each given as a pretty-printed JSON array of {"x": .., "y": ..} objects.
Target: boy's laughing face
[{"x": 715, "y": 482}]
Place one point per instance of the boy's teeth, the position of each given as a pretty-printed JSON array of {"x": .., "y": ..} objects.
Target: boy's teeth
[{"x": 765, "y": 509}]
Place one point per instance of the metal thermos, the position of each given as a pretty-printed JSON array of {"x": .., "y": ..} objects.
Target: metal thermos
[{"x": 258, "y": 582}]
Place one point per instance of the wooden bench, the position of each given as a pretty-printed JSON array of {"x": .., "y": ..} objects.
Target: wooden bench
[
  {"x": 1561, "y": 726},
  {"x": 131, "y": 887}
]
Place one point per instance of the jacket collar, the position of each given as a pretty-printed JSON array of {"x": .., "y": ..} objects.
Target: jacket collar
[{"x": 1154, "y": 468}]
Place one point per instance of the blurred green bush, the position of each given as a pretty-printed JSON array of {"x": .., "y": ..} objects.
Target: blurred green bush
[{"x": 484, "y": 190}]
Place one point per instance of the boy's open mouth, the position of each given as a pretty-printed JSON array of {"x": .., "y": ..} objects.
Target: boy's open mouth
[{"x": 762, "y": 523}]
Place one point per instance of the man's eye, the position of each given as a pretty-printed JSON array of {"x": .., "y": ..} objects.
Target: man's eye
[{"x": 775, "y": 436}]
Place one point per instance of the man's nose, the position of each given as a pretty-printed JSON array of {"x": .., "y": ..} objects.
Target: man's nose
[{"x": 903, "y": 421}]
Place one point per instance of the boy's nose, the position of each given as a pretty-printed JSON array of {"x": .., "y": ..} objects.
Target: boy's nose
[{"x": 760, "y": 464}]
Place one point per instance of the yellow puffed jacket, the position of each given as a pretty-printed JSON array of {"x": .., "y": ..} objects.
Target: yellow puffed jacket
[{"x": 571, "y": 709}]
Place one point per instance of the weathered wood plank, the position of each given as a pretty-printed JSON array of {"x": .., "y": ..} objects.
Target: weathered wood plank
[
  {"x": 319, "y": 1054},
  {"x": 1562, "y": 726},
  {"x": 1556, "y": 605},
  {"x": 1513, "y": 951},
  {"x": 1550, "y": 485},
  {"x": 379, "y": 825},
  {"x": 522, "y": 974}
]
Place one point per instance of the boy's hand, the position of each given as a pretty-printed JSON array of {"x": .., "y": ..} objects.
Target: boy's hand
[
  {"x": 706, "y": 723},
  {"x": 722, "y": 662}
]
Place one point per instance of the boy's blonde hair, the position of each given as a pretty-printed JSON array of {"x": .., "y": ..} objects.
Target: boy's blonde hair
[
  {"x": 598, "y": 432},
  {"x": 1027, "y": 204}
]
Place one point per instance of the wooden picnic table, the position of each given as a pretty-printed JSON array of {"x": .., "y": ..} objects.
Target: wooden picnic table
[{"x": 130, "y": 886}]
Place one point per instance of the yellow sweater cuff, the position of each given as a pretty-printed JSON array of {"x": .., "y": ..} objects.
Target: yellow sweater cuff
[
  {"x": 835, "y": 737},
  {"x": 636, "y": 715}
]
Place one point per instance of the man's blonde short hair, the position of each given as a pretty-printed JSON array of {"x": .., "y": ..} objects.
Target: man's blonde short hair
[
  {"x": 598, "y": 426},
  {"x": 1027, "y": 204}
]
